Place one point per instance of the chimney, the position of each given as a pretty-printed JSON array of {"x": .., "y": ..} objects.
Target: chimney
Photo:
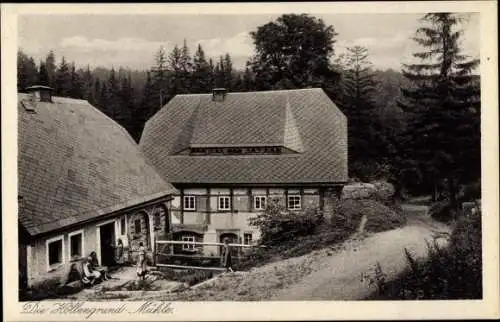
[
  {"x": 218, "y": 94},
  {"x": 40, "y": 93}
]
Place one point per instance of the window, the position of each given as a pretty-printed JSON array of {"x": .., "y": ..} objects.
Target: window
[
  {"x": 76, "y": 244},
  {"x": 247, "y": 238},
  {"x": 188, "y": 247},
  {"x": 158, "y": 214},
  {"x": 294, "y": 202},
  {"x": 137, "y": 226},
  {"x": 156, "y": 220},
  {"x": 189, "y": 203},
  {"x": 55, "y": 252},
  {"x": 224, "y": 203},
  {"x": 259, "y": 202},
  {"x": 123, "y": 223}
]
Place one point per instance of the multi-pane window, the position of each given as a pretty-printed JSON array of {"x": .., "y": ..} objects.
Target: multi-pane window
[
  {"x": 188, "y": 247},
  {"x": 224, "y": 203},
  {"x": 259, "y": 202},
  {"x": 294, "y": 202},
  {"x": 247, "y": 238},
  {"x": 189, "y": 203}
]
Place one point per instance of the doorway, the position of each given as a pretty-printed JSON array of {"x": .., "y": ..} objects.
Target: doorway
[
  {"x": 233, "y": 239},
  {"x": 108, "y": 242}
]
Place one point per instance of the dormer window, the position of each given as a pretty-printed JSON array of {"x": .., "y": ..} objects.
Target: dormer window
[{"x": 236, "y": 150}]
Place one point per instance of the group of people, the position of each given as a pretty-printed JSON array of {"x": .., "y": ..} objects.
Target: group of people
[{"x": 93, "y": 272}]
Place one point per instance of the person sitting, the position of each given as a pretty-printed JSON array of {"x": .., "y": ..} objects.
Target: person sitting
[
  {"x": 90, "y": 275},
  {"x": 95, "y": 266}
]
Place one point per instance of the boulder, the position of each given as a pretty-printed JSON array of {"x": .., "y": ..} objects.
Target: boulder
[
  {"x": 359, "y": 190},
  {"x": 384, "y": 190}
]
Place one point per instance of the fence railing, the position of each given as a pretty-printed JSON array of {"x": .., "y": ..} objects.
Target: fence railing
[{"x": 167, "y": 257}]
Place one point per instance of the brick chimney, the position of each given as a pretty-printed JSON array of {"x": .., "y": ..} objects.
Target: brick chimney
[
  {"x": 219, "y": 94},
  {"x": 40, "y": 93}
]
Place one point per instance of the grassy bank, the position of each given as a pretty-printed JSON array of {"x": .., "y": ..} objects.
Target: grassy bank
[{"x": 454, "y": 272}]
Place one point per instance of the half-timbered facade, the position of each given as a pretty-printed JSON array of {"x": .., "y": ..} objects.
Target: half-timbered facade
[{"x": 228, "y": 154}]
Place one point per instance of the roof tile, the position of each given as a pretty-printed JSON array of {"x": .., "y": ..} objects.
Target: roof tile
[{"x": 74, "y": 163}]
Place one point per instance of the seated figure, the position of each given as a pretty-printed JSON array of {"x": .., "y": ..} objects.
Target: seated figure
[
  {"x": 90, "y": 276},
  {"x": 103, "y": 270}
]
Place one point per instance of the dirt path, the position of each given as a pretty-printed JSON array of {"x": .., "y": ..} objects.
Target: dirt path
[{"x": 339, "y": 277}]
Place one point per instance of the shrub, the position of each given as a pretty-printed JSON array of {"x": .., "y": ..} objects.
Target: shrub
[
  {"x": 277, "y": 224},
  {"x": 442, "y": 210},
  {"x": 380, "y": 217}
]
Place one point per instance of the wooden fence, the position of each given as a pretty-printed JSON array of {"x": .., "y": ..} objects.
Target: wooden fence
[{"x": 165, "y": 250}]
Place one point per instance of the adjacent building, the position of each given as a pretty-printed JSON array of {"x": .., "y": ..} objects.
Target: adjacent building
[
  {"x": 83, "y": 185},
  {"x": 228, "y": 154}
]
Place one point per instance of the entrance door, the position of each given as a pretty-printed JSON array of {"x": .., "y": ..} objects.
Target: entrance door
[
  {"x": 108, "y": 242},
  {"x": 233, "y": 239}
]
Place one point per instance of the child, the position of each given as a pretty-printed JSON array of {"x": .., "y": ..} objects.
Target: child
[
  {"x": 226, "y": 256},
  {"x": 141, "y": 263}
]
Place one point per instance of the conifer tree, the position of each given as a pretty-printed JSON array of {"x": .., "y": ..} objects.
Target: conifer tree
[
  {"x": 97, "y": 92},
  {"x": 443, "y": 137},
  {"x": 76, "y": 83},
  {"x": 175, "y": 67},
  {"x": 88, "y": 88},
  {"x": 228, "y": 72},
  {"x": 211, "y": 67},
  {"x": 219, "y": 73},
  {"x": 201, "y": 78},
  {"x": 367, "y": 145},
  {"x": 26, "y": 71},
  {"x": 50, "y": 65},
  {"x": 43, "y": 77},
  {"x": 186, "y": 67},
  {"x": 63, "y": 79}
]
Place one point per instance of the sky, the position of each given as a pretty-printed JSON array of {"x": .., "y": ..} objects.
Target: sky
[{"x": 131, "y": 40}]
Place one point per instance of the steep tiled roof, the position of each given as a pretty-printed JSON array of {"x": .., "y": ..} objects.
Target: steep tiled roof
[
  {"x": 305, "y": 121},
  {"x": 75, "y": 164}
]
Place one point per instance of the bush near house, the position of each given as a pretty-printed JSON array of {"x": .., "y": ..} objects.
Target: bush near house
[
  {"x": 454, "y": 272},
  {"x": 380, "y": 217}
]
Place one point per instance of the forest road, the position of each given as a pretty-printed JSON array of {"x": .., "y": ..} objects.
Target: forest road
[{"x": 340, "y": 276}]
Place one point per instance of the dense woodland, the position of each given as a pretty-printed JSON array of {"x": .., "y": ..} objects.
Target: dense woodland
[{"x": 418, "y": 127}]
